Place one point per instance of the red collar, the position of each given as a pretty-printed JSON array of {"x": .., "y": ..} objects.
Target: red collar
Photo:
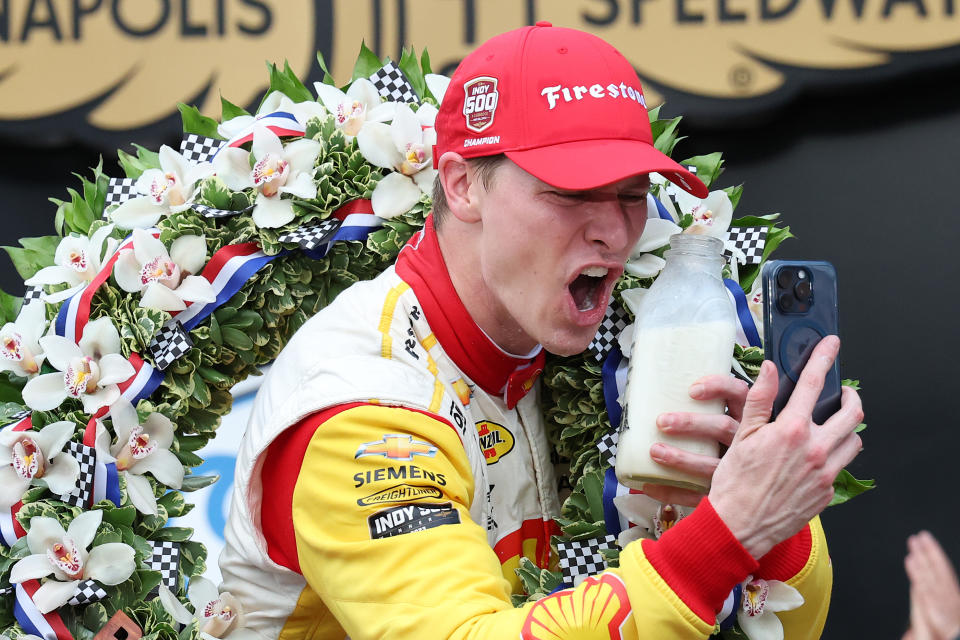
[{"x": 421, "y": 265}]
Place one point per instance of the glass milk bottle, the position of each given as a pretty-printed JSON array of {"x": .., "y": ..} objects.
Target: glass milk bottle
[{"x": 685, "y": 329}]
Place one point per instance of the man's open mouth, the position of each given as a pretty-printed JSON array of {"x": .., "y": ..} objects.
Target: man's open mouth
[{"x": 586, "y": 287}]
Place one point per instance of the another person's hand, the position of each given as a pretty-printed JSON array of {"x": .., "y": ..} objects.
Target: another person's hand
[
  {"x": 778, "y": 475},
  {"x": 721, "y": 428},
  {"x": 934, "y": 590}
]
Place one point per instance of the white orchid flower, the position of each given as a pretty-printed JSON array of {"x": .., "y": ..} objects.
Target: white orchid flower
[
  {"x": 276, "y": 101},
  {"x": 437, "y": 84},
  {"x": 218, "y": 614},
  {"x": 140, "y": 448},
  {"x": 64, "y": 554},
  {"x": 166, "y": 190},
  {"x": 89, "y": 371},
  {"x": 762, "y": 599},
  {"x": 359, "y": 105},
  {"x": 406, "y": 148},
  {"x": 278, "y": 170},
  {"x": 656, "y": 234},
  {"x": 652, "y": 518},
  {"x": 77, "y": 261},
  {"x": 164, "y": 279},
  {"x": 20, "y": 350},
  {"x": 36, "y": 458},
  {"x": 711, "y": 215}
]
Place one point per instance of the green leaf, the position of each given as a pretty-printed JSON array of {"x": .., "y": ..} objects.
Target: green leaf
[
  {"x": 425, "y": 63},
  {"x": 192, "y": 483},
  {"x": 367, "y": 63},
  {"x": 173, "y": 534},
  {"x": 121, "y": 517},
  {"x": 36, "y": 254},
  {"x": 237, "y": 339},
  {"x": 411, "y": 68},
  {"x": 196, "y": 122},
  {"x": 593, "y": 490},
  {"x": 228, "y": 110},
  {"x": 134, "y": 166},
  {"x": 327, "y": 78},
  {"x": 9, "y": 307},
  {"x": 846, "y": 487},
  {"x": 665, "y": 135},
  {"x": 287, "y": 83},
  {"x": 768, "y": 220},
  {"x": 709, "y": 167}
]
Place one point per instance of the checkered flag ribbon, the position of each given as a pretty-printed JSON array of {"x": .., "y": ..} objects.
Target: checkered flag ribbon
[
  {"x": 18, "y": 416},
  {"x": 213, "y": 212},
  {"x": 608, "y": 447},
  {"x": 198, "y": 148},
  {"x": 32, "y": 293},
  {"x": 171, "y": 342},
  {"x": 393, "y": 85},
  {"x": 119, "y": 190},
  {"x": 83, "y": 491},
  {"x": 87, "y": 591},
  {"x": 615, "y": 320},
  {"x": 165, "y": 559},
  {"x": 580, "y": 559},
  {"x": 309, "y": 237},
  {"x": 750, "y": 240}
]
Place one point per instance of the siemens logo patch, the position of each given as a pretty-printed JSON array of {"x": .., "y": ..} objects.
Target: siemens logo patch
[
  {"x": 409, "y": 518},
  {"x": 407, "y": 472}
]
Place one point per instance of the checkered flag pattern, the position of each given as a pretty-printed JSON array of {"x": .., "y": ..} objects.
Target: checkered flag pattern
[
  {"x": 119, "y": 190},
  {"x": 580, "y": 559},
  {"x": 750, "y": 240},
  {"x": 608, "y": 447},
  {"x": 18, "y": 416},
  {"x": 614, "y": 321},
  {"x": 213, "y": 212},
  {"x": 83, "y": 491},
  {"x": 393, "y": 85},
  {"x": 312, "y": 236},
  {"x": 32, "y": 293},
  {"x": 199, "y": 148},
  {"x": 171, "y": 342},
  {"x": 166, "y": 560},
  {"x": 87, "y": 591}
]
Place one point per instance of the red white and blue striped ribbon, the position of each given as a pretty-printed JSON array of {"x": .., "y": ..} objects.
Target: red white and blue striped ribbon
[
  {"x": 358, "y": 221},
  {"x": 281, "y": 123},
  {"x": 747, "y": 334},
  {"x": 48, "y": 626}
]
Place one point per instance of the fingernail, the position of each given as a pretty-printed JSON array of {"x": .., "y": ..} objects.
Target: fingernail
[
  {"x": 696, "y": 390},
  {"x": 665, "y": 421},
  {"x": 658, "y": 451}
]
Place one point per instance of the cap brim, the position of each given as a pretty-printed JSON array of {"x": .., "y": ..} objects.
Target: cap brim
[{"x": 588, "y": 164}]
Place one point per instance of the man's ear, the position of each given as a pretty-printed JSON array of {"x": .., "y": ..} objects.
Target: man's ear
[{"x": 461, "y": 187}]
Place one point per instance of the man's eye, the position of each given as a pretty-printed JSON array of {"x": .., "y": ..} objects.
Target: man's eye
[{"x": 633, "y": 199}]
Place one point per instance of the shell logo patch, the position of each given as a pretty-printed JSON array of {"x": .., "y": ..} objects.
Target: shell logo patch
[
  {"x": 496, "y": 440},
  {"x": 598, "y": 608},
  {"x": 480, "y": 102}
]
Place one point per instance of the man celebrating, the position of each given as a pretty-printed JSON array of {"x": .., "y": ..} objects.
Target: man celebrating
[{"x": 367, "y": 501}]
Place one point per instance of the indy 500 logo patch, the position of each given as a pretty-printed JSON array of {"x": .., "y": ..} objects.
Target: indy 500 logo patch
[{"x": 480, "y": 102}]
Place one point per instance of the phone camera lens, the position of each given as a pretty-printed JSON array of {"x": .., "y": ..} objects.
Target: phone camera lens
[
  {"x": 786, "y": 278},
  {"x": 803, "y": 290},
  {"x": 785, "y": 301}
]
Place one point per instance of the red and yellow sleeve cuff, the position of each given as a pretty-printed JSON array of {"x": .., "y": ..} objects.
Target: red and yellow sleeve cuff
[{"x": 700, "y": 560}]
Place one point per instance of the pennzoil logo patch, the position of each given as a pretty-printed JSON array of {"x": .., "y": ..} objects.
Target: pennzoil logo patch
[
  {"x": 399, "y": 493},
  {"x": 480, "y": 102},
  {"x": 409, "y": 518},
  {"x": 496, "y": 440}
]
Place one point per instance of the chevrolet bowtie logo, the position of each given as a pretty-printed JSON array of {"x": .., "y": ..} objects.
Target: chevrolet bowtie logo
[{"x": 396, "y": 447}]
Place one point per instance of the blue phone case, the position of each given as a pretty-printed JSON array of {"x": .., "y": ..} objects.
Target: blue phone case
[{"x": 793, "y": 324}]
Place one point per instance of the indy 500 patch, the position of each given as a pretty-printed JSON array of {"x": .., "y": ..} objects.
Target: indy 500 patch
[{"x": 408, "y": 518}]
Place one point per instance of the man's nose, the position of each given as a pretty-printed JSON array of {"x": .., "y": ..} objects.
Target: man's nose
[{"x": 610, "y": 225}]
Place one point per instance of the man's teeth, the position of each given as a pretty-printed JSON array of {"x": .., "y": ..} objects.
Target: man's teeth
[{"x": 595, "y": 272}]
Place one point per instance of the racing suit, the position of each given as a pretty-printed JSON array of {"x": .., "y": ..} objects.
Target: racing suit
[{"x": 395, "y": 469}]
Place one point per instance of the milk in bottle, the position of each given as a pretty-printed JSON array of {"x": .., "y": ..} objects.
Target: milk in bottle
[{"x": 685, "y": 329}]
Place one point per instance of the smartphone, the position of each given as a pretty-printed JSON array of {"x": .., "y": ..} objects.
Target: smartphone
[{"x": 800, "y": 308}]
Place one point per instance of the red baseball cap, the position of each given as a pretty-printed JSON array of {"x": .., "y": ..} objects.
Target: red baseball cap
[{"x": 563, "y": 104}]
